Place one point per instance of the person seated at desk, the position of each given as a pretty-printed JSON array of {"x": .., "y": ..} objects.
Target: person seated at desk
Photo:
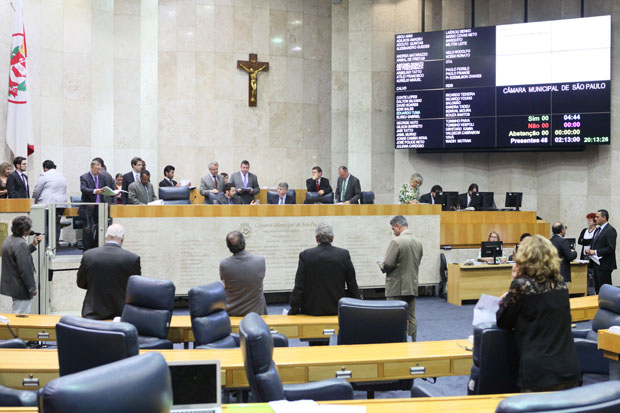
[
  {"x": 317, "y": 183},
  {"x": 141, "y": 192},
  {"x": 229, "y": 197},
  {"x": 493, "y": 237},
  {"x": 410, "y": 192},
  {"x": 514, "y": 252},
  {"x": 430, "y": 197},
  {"x": 537, "y": 307},
  {"x": 465, "y": 200},
  {"x": 282, "y": 198}
]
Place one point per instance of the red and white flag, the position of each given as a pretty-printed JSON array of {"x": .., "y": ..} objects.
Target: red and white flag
[{"x": 19, "y": 115}]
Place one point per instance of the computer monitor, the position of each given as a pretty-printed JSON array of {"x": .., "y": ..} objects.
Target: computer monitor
[
  {"x": 491, "y": 249},
  {"x": 448, "y": 199},
  {"x": 571, "y": 242},
  {"x": 482, "y": 200},
  {"x": 513, "y": 200}
]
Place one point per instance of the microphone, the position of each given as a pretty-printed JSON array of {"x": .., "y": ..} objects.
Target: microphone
[{"x": 36, "y": 233}]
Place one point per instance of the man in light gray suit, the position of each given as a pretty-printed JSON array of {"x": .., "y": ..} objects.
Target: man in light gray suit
[
  {"x": 245, "y": 182},
  {"x": 141, "y": 193},
  {"x": 17, "y": 266},
  {"x": 401, "y": 264},
  {"x": 242, "y": 275},
  {"x": 212, "y": 185},
  {"x": 51, "y": 186}
]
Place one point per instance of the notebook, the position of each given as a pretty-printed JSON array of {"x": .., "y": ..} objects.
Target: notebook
[{"x": 196, "y": 386}]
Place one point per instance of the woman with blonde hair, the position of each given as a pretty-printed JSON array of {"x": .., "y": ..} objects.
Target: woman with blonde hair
[
  {"x": 5, "y": 171},
  {"x": 537, "y": 307},
  {"x": 410, "y": 192},
  {"x": 493, "y": 237}
]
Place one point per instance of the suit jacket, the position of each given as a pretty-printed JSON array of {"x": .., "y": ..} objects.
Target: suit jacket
[
  {"x": 17, "y": 268},
  {"x": 566, "y": 255},
  {"x": 87, "y": 187},
  {"x": 353, "y": 191},
  {"x": 207, "y": 185},
  {"x": 243, "y": 275},
  {"x": 137, "y": 195},
  {"x": 51, "y": 187},
  {"x": 463, "y": 200},
  {"x": 222, "y": 200},
  {"x": 275, "y": 201},
  {"x": 15, "y": 186},
  {"x": 237, "y": 180},
  {"x": 401, "y": 264},
  {"x": 128, "y": 179},
  {"x": 426, "y": 199},
  {"x": 605, "y": 245},
  {"x": 323, "y": 184},
  {"x": 164, "y": 182},
  {"x": 320, "y": 281},
  {"x": 103, "y": 273}
]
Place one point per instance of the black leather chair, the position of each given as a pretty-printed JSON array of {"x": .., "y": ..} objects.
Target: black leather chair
[
  {"x": 17, "y": 398},
  {"x": 84, "y": 343},
  {"x": 373, "y": 322},
  {"x": 272, "y": 196},
  {"x": 137, "y": 384},
  {"x": 263, "y": 377},
  {"x": 496, "y": 361},
  {"x": 600, "y": 398},
  {"x": 177, "y": 195},
  {"x": 210, "y": 321},
  {"x": 315, "y": 198},
  {"x": 368, "y": 197},
  {"x": 586, "y": 341},
  {"x": 148, "y": 306},
  {"x": 13, "y": 343}
]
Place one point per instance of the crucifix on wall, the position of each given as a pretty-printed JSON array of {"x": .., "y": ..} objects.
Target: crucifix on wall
[{"x": 252, "y": 67}]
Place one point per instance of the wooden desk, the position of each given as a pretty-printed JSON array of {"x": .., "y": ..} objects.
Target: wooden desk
[
  {"x": 367, "y": 362},
  {"x": 15, "y": 205},
  {"x": 40, "y": 327},
  {"x": 583, "y": 308},
  {"x": 468, "y": 282},
  {"x": 462, "y": 404},
  {"x": 610, "y": 344}
]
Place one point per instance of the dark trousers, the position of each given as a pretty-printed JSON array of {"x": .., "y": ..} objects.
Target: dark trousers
[
  {"x": 601, "y": 277},
  {"x": 90, "y": 218}
]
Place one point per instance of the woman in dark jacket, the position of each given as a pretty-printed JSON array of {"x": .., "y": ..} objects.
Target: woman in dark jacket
[{"x": 537, "y": 308}]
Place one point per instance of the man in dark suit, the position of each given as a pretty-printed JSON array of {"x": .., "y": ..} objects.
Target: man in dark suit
[
  {"x": 281, "y": 199},
  {"x": 246, "y": 183},
  {"x": 322, "y": 273},
  {"x": 603, "y": 246},
  {"x": 108, "y": 180},
  {"x": 243, "y": 274},
  {"x": 169, "y": 174},
  {"x": 17, "y": 181},
  {"x": 317, "y": 183},
  {"x": 465, "y": 200},
  {"x": 103, "y": 273},
  {"x": 228, "y": 197},
  {"x": 137, "y": 164},
  {"x": 91, "y": 186},
  {"x": 564, "y": 251},
  {"x": 430, "y": 197},
  {"x": 352, "y": 190}
]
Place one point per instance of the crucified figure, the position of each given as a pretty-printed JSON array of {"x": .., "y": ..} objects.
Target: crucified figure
[{"x": 253, "y": 73}]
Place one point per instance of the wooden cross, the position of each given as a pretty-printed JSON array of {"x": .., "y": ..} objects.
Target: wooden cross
[{"x": 252, "y": 67}]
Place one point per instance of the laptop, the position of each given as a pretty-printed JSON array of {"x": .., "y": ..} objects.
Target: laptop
[{"x": 196, "y": 386}]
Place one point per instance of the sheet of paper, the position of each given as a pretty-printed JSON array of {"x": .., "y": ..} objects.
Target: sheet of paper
[
  {"x": 298, "y": 406},
  {"x": 485, "y": 309},
  {"x": 185, "y": 182},
  {"x": 156, "y": 202},
  {"x": 596, "y": 259}
]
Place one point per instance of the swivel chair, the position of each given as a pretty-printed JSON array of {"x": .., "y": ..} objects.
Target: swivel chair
[
  {"x": 148, "y": 306},
  {"x": 210, "y": 321},
  {"x": 315, "y": 198},
  {"x": 174, "y": 195},
  {"x": 263, "y": 377},
  {"x": 85, "y": 343},
  {"x": 586, "y": 341},
  {"x": 137, "y": 384}
]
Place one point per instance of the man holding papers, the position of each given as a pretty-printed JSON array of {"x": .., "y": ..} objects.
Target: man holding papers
[{"x": 602, "y": 251}]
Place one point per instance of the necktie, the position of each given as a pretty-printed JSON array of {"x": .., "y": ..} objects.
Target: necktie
[
  {"x": 146, "y": 189},
  {"x": 229, "y": 201},
  {"x": 245, "y": 181},
  {"x": 136, "y": 177},
  {"x": 317, "y": 185},
  {"x": 25, "y": 179},
  {"x": 344, "y": 189},
  {"x": 468, "y": 201},
  {"x": 281, "y": 201},
  {"x": 596, "y": 232},
  {"x": 215, "y": 182},
  {"x": 97, "y": 198}
]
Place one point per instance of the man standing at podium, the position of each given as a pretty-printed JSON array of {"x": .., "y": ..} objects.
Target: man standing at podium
[
  {"x": 246, "y": 183},
  {"x": 401, "y": 264}
]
